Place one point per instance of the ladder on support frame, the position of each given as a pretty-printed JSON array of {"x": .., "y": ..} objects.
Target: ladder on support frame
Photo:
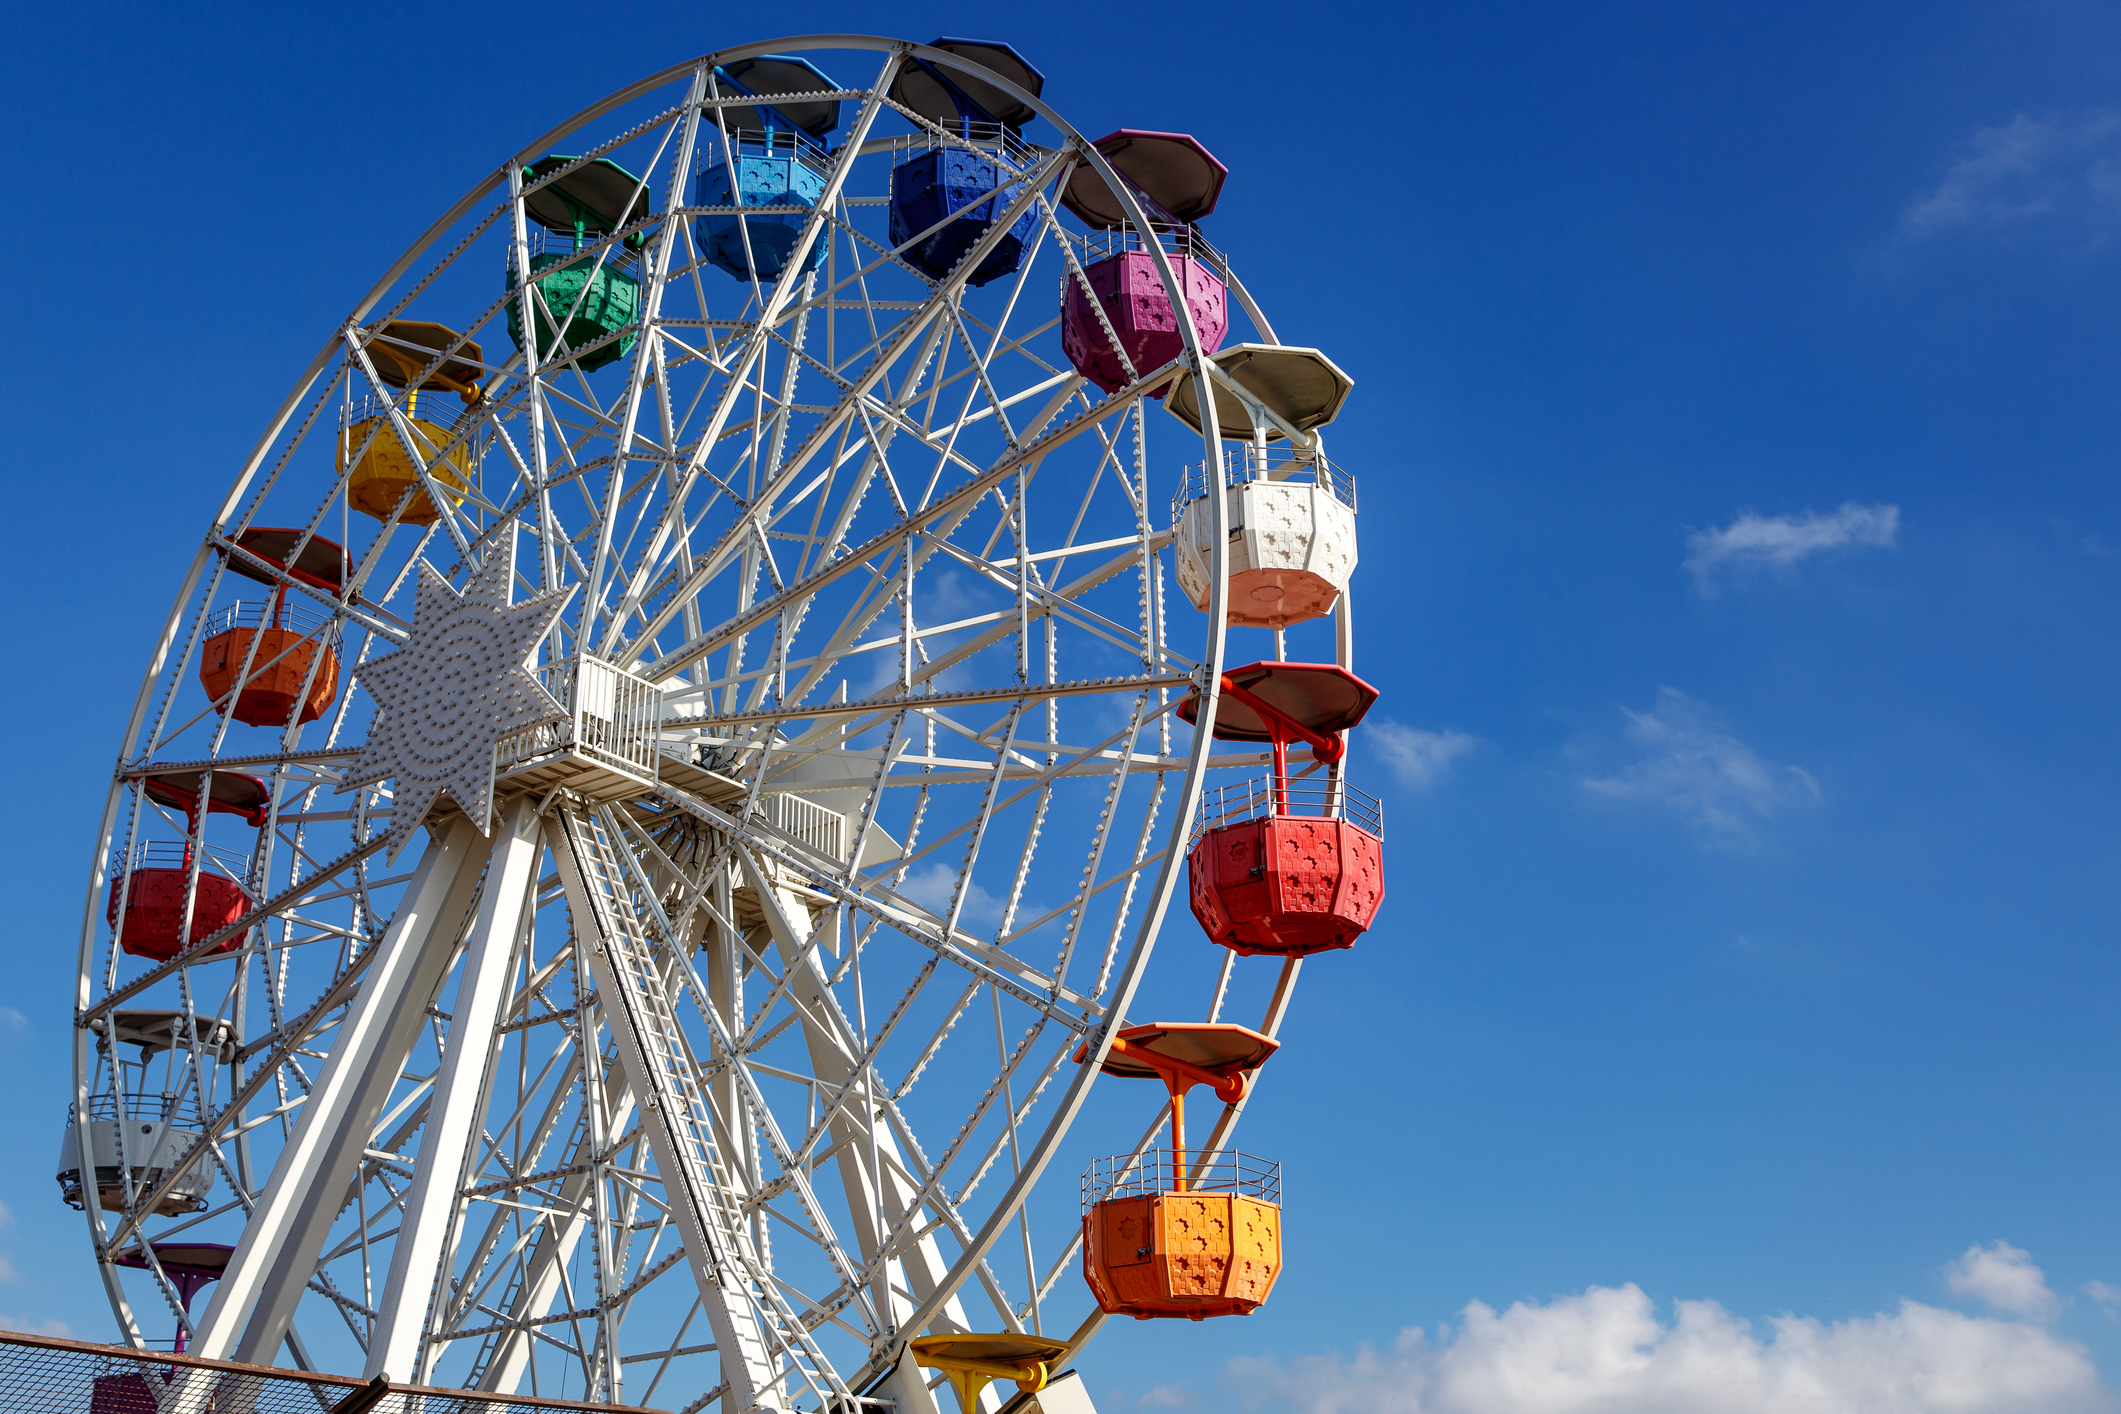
[{"x": 762, "y": 1342}]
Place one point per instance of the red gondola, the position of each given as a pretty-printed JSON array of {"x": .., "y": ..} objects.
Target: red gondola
[{"x": 1285, "y": 866}]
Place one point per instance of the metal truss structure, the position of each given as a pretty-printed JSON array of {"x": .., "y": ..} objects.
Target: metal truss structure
[{"x": 735, "y": 1045}]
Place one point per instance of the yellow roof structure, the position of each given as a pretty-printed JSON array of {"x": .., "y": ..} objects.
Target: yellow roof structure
[
  {"x": 973, "y": 1361},
  {"x": 403, "y": 347}
]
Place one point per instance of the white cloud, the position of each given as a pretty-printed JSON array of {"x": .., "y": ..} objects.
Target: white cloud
[
  {"x": 2004, "y": 1277},
  {"x": 1607, "y": 1352},
  {"x": 33, "y": 1325},
  {"x": 1757, "y": 542},
  {"x": 2109, "y": 1298},
  {"x": 932, "y": 887},
  {"x": 1414, "y": 756},
  {"x": 2059, "y": 173},
  {"x": 9, "y": 1275},
  {"x": 1691, "y": 763},
  {"x": 1166, "y": 1397},
  {"x": 12, "y": 1020}
]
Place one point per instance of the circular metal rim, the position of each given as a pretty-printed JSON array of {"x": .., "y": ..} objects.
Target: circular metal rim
[{"x": 1187, "y": 805}]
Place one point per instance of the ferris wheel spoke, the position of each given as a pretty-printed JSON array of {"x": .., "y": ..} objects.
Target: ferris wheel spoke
[
  {"x": 958, "y": 502},
  {"x": 935, "y": 703},
  {"x": 270, "y": 760},
  {"x": 920, "y": 1190},
  {"x": 751, "y": 1322},
  {"x": 856, "y": 397},
  {"x": 832, "y": 1050},
  {"x": 888, "y": 1178},
  {"x": 815, "y": 1002},
  {"x": 538, "y": 1275},
  {"x": 991, "y": 965}
]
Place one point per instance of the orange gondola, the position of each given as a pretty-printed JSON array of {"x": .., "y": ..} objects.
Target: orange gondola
[
  {"x": 295, "y": 659},
  {"x": 1174, "y": 1235}
]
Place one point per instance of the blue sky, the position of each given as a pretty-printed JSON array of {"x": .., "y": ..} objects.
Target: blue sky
[{"x": 1735, "y": 415}]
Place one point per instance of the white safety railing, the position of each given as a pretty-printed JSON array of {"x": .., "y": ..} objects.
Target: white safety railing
[
  {"x": 1148, "y": 1173},
  {"x": 811, "y": 824},
  {"x": 618, "y": 716},
  {"x": 570, "y": 250},
  {"x": 1258, "y": 799},
  {"x": 1186, "y": 241},
  {"x": 1242, "y": 465},
  {"x": 281, "y": 611},
  {"x": 172, "y": 854},
  {"x": 987, "y": 139},
  {"x": 615, "y": 719}
]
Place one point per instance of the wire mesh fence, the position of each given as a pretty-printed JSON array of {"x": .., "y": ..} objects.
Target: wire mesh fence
[{"x": 45, "y": 1375}]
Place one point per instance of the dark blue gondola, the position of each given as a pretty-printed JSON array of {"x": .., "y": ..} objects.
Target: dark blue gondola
[{"x": 955, "y": 193}]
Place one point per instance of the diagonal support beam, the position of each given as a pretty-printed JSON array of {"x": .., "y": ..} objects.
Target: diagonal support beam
[
  {"x": 254, "y": 1302},
  {"x": 459, "y": 1099},
  {"x": 832, "y": 1051}
]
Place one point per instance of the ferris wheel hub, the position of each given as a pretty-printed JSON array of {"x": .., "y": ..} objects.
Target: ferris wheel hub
[{"x": 459, "y": 687}]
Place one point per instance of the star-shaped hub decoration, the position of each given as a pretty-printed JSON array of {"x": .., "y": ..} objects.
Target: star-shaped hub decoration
[{"x": 460, "y": 684}]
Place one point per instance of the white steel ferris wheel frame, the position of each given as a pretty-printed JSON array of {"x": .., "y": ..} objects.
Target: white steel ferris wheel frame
[{"x": 765, "y": 1347}]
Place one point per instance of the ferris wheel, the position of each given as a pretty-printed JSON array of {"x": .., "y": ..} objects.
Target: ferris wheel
[{"x": 652, "y": 809}]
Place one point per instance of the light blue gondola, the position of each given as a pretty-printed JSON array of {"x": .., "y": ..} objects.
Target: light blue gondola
[{"x": 780, "y": 159}]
